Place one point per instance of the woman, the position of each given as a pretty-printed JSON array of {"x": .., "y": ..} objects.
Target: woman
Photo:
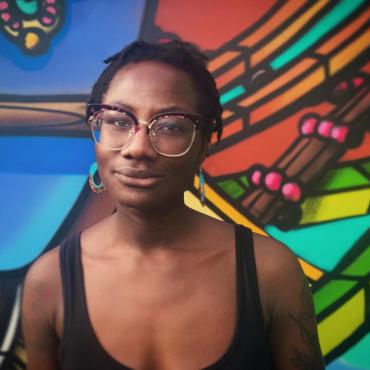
[{"x": 157, "y": 285}]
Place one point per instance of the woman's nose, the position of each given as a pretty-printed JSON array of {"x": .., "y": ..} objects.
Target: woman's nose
[{"x": 140, "y": 145}]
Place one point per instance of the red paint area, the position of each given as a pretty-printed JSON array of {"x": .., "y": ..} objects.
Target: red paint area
[
  {"x": 360, "y": 152},
  {"x": 209, "y": 23},
  {"x": 263, "y": 148}
]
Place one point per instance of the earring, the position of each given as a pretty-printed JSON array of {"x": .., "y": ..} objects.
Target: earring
[
  {"x": 95, "y": 182},
  {"x": 201, "y": 188}
]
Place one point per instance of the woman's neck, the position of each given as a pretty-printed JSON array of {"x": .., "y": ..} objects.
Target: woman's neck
[{"x": 152, "y": 228}]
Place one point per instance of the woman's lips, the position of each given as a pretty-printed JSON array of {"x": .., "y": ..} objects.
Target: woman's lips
[{"x": 134, "y": 177}]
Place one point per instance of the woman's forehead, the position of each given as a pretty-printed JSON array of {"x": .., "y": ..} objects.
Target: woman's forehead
[{"x": 147, "y": 82}]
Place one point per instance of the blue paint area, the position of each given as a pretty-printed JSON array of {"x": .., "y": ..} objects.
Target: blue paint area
[
  {"x": 93, "y": 30},
  {"x": 33, "y": 208},
  {"x": 341, "y": 364},
  {"x": 327, "y": 23},
  {"x": 41, "y": 179},
  {"x": 46, "y": 155},
  {"x": 325, "y": 244}
]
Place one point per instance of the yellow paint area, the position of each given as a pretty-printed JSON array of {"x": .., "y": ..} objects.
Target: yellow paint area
[
  {"x": 338, "y": 326},
  {"x": 193, "y": 202},
  {"x": 31, "y": 40},
  {"x": 310, "y": 271},
  {"x": 227, "y": 209},
  {"x": 334, "y": 206}
]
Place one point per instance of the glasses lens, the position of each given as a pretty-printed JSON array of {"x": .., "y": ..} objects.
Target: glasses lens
[
  {"x": 172, "y": 135},
  {"x": 112, "y": 129}
]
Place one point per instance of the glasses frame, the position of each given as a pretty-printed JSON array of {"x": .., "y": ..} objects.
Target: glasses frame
[{"x": 93, "y": 109}]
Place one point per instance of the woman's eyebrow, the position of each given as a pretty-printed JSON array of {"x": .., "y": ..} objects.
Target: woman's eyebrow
[
  {"x": 167, "y": 109},
  {"x": 171, "y": 108}
]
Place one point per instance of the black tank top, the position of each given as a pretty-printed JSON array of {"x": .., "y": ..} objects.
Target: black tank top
[{"x": 80, "y": 349}]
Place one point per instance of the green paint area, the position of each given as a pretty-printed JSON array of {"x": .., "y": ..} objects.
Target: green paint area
[
  {"x": 232, "y": 94},
  {"x": 343, "y": 178},
  {"x": 323, "y": 245},
  {"x": 330, "y": 292},
  {"x": 366, "y": 167},
  {"x": 27, "y": 7},
  {"x": 358, "y": 355},
  {"x": 327, "y": 23},
  {"x": 244, "y": 180},
  {"x": 233, "y": 188},
  {"x": 361, "y": 265}
]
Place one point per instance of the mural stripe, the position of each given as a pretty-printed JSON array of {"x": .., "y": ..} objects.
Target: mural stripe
[
  {"x": 284, "y": 36},
  {"x": 335, "y": 206},
  {"x": 328, "y": 22},
  {"x": 350, "y": 316}
]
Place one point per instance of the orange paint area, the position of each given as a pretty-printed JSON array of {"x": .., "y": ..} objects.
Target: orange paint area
[
  {"x": 227, "y": 114},
  {"x": 350, "y": 52},
  {"x": 278, "y": 18},
  {"x": 230, "y": 75},
  {"x": 222, "y": 59},
  {"x": 280, "y": 81},
  {"x": 288, "y": 97},
  {"x": 230, "y": 129},
  {"x": 343, "y": 35},
  {"x": 264, "y": 147},
  {"x": 287, "y": 34}
]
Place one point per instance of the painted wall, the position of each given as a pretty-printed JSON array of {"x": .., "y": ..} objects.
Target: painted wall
[{"x": 294, "y": 162}]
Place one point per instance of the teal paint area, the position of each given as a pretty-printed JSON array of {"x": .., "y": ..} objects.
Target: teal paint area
[
  {"x": 28, "y": 7},
  {"x": 328, "y": 22},
  {"x": 33, "y": 208},
  {"x": 356, "y": 358},
  {"x": 323, "y": 245},
  {"x": 232, "y": 94}
]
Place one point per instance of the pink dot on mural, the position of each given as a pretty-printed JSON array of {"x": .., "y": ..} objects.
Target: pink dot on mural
[
  {"x": 291, "y": 191},
  {"x": 358, "y": 81},
  {"x": 339, "y": 133},
  {"x": 3, "y": 5},
  {"x": 342, "y": 86},
  {"x": 325, "y": 128},
  {"x": 5, "y": 17},
  {"x": 308, "y": 126},
  {"x": 256, "y": 177},
  {"x": 15, "y": 25},
  {"x": 273, "y": 181},
  {"x": 51, "y": 10},
  {"x": 50, "y": 1},
  {"x": 46, "y": 20}
]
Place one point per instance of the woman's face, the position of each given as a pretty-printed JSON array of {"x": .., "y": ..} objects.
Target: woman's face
[{"x": 137, "y": 176}]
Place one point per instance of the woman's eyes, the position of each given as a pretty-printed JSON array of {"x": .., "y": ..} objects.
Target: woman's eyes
[{"x": 170, "y": 128}]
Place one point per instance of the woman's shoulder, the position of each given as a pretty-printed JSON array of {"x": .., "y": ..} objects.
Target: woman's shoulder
[{"x": 43, "y": 276}]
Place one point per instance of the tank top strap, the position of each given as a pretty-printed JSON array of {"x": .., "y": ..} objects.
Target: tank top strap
[
  {"x": 254, "y": 335},
  {"x": 72, "y": 282}
]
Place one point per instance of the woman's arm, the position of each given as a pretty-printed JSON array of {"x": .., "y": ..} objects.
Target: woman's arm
[
  {"x": 38, "y": 318},
  {"x": 292, "y": 325}
]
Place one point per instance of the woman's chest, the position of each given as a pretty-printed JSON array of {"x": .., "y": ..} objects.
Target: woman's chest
[{"x": 159, "y": 321}]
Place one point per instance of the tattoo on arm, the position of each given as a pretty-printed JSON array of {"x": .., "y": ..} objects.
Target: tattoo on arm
[{"x": 311, "y": 358}]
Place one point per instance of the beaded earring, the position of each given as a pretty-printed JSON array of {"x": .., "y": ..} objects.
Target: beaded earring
[
  {"x": 95, "y": 182},
  {"x": 201, "y": 188}
]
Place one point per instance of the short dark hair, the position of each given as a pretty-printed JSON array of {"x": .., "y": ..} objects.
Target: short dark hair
[{"x": 176, "y": 53}]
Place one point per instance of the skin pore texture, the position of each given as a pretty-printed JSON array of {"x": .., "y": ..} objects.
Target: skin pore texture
[{"x": 168, "y": 270}]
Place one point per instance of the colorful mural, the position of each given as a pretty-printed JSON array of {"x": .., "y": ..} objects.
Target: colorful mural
[{"x": 294, "y": 162}]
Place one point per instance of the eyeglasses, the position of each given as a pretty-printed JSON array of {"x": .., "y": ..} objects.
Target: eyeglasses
[{"x": 171, "y": 134}]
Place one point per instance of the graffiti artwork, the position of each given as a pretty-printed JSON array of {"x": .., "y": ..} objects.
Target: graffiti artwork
[{"x": 294, "y": 161}]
